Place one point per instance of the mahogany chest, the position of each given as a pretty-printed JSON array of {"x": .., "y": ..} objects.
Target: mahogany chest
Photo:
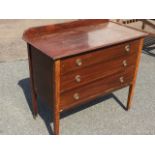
[{"x": 75, "y": 62}]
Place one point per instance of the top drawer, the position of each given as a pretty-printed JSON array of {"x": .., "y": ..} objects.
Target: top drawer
[{"x": 101, "y": 55}]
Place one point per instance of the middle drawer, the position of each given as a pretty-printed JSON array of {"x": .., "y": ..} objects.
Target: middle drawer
[{"x": 94, "y": 72}]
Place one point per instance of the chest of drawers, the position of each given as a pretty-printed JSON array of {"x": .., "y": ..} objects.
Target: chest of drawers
[{"x": 75, "y": 62}]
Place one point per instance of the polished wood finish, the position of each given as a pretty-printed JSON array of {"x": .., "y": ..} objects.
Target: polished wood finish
[
  {"x": 132, "y": 85},
  {"x": 103, "y": 62},
  {"x": 81, "y": 39},
  {"x": 56, "y": 89},
  {"x": 100, "y": 55},
  {"x": 61, "y": 27},
  {"x": 75, "y": 62},
  {"x": 69, "y": 81},
  {"x": 97, "y": 88}
]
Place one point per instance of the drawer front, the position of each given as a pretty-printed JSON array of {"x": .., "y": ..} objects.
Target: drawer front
[
  {"x": 97, "y": 88},
  {"x": 102, "y": 55},
  {"x": 94, "y": 72}
]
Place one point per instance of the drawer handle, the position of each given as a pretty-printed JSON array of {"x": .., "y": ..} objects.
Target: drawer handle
[
  {"x": 79, "y": 62},
  {"x": 121, "y": 79},
  {"x": 76, "y": 96},
  {"x": 78, "y": 78},
  {"x": 127, "y": 48},
  {"x": 125, "y": 63}
]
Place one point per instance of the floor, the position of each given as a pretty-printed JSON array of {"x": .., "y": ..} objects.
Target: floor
[{"x": 106, "y": 115}]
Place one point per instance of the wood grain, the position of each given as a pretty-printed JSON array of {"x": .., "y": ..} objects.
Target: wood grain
[
  {"x": 99, "y": 48},
  {"x": 56, "y": 90},
  {"x": 96, "y": 88},
  {"x": 79, "y": 39},
  {"x": 96, "y": 71},
  {"x": 132, "y": 86},
  {"x": 98, "y": 56}
]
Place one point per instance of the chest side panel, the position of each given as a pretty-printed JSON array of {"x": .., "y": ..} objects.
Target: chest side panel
[{"x": 42, "y": 67}]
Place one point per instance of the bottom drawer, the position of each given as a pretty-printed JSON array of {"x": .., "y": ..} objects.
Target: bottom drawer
[{"x": 95, "y": 89}]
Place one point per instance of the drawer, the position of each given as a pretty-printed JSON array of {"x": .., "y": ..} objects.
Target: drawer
[
  {"x": 101, "y": 55},
  {"x": 94, "y": 72},
  {"x": 95, "y": 89}
]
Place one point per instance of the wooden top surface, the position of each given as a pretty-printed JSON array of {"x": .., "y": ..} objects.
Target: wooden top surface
[{"x": 63, "y": 40}]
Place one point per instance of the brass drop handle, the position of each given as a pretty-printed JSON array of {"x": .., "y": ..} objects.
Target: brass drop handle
[
  {"x": 121, "y": 79},
  {"x": 125, "y": 63},
  {"x": 78, "y": 78},
  {"x": 127, "y": 48},
  {"x": 79, "y": 62},
  {"x": 76, "y": 96}
]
